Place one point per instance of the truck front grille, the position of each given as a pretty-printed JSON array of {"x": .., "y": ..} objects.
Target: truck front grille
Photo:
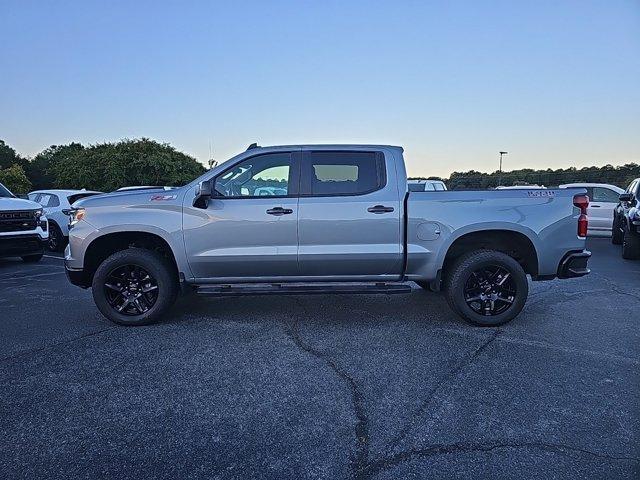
[{"x": 19, "y": 221}]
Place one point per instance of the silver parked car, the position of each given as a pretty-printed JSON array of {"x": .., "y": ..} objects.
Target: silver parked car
[{"x": 343, "y": 221}]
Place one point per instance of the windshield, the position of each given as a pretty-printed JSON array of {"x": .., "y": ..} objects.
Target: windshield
[{"x": 4, "y": 192}]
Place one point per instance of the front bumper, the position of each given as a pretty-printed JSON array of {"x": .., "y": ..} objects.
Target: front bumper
[
  {"x": 574, "y": 264},
  {"x": 77, "y": 277},
  {"x": 22, "y": 245}
]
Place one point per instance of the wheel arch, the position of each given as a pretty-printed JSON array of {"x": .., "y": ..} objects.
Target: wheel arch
[
  {"x": 517, "y": 244},
  {"x": 102, "y": 246}
]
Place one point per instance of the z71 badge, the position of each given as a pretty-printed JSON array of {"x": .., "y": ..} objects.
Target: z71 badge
[{"x": 160, "y": 198}]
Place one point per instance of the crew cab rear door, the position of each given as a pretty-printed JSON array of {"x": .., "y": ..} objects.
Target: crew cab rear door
[{"x": 349, "y": 221}]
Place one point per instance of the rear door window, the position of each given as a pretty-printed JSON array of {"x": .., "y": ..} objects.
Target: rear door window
[{"x": 331, "y": 173}]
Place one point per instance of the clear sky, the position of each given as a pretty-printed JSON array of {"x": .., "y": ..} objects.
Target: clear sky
[{"x": 555, "y": 83}]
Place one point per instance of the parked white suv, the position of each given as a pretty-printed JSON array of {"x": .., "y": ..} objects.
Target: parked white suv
[
  {"x": 426, "y": 186},
  {"x": 57, "y": 206},
  {"x": 603, "y": 199},
  {"x": 23, "y": 227}
]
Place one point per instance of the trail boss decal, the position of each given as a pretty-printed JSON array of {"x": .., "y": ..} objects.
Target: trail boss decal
[{"x": 541, "y": 193}]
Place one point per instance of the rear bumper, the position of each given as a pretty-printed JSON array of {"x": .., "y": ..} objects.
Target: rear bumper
[
  {"x": 574, "y": 264},
  {"x": 21, "y": 245}
]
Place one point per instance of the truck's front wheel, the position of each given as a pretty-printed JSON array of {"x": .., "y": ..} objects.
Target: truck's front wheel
[
  {"x": 486, "y": 287},
  {"x": 135, "y": 287}
]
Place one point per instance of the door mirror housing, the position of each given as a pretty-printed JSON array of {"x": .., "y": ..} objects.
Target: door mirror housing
[
  {"x": 626, "y": 197},
  {"x": 204, "y": 192}
]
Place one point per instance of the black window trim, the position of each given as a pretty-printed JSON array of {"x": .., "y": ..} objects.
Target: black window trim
[
  {"x": 305, "y": 188},
  {"x": 294, "y": 172}
]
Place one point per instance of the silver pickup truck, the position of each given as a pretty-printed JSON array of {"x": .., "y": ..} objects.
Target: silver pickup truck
[{"x": 319, "y": 219}]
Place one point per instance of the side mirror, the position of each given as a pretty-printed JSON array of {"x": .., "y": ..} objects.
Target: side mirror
[
  {"x": 203, "y": 194},
  {"x": 626, "y": 197}
]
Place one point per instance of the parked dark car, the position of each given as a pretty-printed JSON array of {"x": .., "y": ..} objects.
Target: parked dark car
[{"x": 626, "y": 222}]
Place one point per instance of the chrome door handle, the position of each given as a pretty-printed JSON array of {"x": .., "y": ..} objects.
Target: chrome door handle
[
  {"x": 380, "y": 209},
  {"x": 277, "y": 211}
]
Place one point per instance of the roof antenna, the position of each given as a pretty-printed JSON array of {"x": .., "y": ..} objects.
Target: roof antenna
[{"x": 252, "y": 146}]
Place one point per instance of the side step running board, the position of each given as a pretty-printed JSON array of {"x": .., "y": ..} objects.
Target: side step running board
[{"x": 302, "y": 289}]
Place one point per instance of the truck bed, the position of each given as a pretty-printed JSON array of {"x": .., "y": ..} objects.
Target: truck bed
[{"x": 435, "y": 220}]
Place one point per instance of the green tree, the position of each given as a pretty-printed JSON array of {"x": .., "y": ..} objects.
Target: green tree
[
  {"x": 473, "y": 180},
  {"x": 40, "y": 168},
  {"x": 9, "y": 157},
  {"x": 15, "y": 179},
  {"x": 109, "y": 166}
]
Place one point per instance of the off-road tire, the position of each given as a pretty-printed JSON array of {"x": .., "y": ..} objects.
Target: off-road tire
[
  {"x": 159, "y": 267},
  {"x": 459, "y": 273}
]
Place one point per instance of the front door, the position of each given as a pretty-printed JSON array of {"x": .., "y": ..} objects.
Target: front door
[{"x": 249, "y": 228}]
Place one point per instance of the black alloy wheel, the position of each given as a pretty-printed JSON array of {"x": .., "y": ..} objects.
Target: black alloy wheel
[
  {"x": 486, "y": 287},
  {"x": 490, "y": 290},
  {"x": 130, "y": 290},
  {"x": 55, "y": 238}
]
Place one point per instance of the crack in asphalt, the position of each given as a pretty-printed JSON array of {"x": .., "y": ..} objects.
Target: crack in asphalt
[
  {"x": 422, "y": 409},
  {"x": 613, "y": 286},
  {"x": 363, "y": 468},
  {"x": 51, "y": 346},
  {"x": 362, "y": 422},
  {"x": 386, "y": 463}
]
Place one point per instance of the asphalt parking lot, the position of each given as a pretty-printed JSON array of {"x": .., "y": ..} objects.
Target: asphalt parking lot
[{"x": 332, "y": 387}]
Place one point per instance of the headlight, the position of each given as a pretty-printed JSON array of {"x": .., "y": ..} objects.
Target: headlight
[
  {"x": 76, "y": 215},
  {"x": 38, "y": 214}
]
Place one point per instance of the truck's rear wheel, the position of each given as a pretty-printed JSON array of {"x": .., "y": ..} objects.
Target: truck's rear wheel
[
  {"x": 135, "y": 287},
  {"x": 486, "y": 287}
]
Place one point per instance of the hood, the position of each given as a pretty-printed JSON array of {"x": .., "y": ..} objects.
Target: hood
[
  {"x": 12, "y": 204},
  {"x": 126, "y": 197}
]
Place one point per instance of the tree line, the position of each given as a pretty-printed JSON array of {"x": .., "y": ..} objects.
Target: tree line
[
  {"x": 108, "y": 166},
  {"x": 103, "y": 167},
  {"x": 473, "y": 180}
]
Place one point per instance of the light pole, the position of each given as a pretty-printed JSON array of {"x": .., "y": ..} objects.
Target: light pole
[{"x": 500, "y": 175}]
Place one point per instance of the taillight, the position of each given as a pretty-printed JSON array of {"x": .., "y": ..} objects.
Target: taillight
[{"x": 582, "y": 202}]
